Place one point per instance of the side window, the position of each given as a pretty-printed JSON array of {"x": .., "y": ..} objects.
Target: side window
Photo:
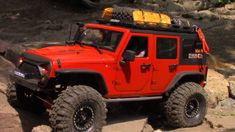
[
  {"x": 139, "y": 45},
  {"x": 190, "y": 48},
  {"x": 166, "y": 48}
]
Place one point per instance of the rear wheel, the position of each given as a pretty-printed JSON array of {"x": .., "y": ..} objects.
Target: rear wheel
[
  {"x": 186, "y": 106},
  {"x": 78, "y": 108}
]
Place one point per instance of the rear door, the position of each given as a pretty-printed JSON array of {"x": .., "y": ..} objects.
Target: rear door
[{"x": 165, "y": 62}]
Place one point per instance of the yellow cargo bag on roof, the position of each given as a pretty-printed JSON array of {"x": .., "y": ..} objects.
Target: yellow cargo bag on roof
[
  {"x": 138, "y": 16},
  {"x": 151, "y": 18},
  {"x": 107, "y": 13}
]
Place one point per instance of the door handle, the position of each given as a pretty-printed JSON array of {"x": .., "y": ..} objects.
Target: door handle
[
  {"x": 173, "y": 67},
  {"x": 145, "y": 66}
]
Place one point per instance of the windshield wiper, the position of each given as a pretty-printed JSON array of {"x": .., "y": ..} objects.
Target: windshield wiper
[
  {"x": 97, "y": 47},
  {"x": 70, "y": 42}
]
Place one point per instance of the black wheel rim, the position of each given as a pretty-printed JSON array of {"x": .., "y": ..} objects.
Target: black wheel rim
[
  {"x": 192, "y": 108},
  {"x": 84, "y": 118}
]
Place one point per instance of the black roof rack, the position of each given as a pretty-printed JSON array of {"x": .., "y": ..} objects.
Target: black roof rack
[{"x": 171, "y": 28}]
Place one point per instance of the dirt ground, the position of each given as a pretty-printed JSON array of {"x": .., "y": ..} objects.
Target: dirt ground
[{"x": 30, "y": 21}]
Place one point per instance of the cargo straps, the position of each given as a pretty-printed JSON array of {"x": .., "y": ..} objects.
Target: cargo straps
[{"x": 201, "y": 35}]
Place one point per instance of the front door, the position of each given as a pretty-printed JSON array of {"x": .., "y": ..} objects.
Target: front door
[
  {"x": 135, "y": 76},
  {"x": 165, "y": 62}
]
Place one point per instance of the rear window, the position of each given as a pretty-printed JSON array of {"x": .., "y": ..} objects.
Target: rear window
[
  {"x": 191, "y": 48},
  {"x": 166, "y": 48}
]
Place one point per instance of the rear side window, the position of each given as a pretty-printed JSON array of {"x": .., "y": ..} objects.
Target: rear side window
[
  {"x": 166, "y": 48},
  {"x": 191, "y": 49}
]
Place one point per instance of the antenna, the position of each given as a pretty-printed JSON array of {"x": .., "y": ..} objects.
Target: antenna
[{"x": 70, "y": 31}]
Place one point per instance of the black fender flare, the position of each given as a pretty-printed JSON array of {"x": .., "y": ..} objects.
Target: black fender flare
[
  {"x": 181, "y": 75},
  {"x": 99, "y": 76}
]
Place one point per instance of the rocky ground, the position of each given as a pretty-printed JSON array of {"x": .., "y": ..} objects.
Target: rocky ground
[{"x": 30, "y": 23}]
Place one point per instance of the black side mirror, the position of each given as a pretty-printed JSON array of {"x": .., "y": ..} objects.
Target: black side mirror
[{"x": 128, "y": 56}]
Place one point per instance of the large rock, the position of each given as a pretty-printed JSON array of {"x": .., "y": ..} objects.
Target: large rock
[
  {"x": 5, "y": 67},
  {"x": 232, "y": 89},
  {"x": 3, "y": 87},
  {"x": 42, "y": 128},
  {"x": 216, "y": 88},
  {"x": 3, "y": 46},
  {"x": 199, "y": 15},
  {"x": 9, "y": 118},
  {"x": 221, "y": 119},
  {"x": 10, "y": 123},
  {"x": 228, "y": 103},
  {"x": 194, "y": 4},
  {"x": 230, "y": 6}
]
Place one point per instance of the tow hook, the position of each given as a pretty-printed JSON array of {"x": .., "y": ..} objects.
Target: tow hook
[{"x": 28, "y": 95}]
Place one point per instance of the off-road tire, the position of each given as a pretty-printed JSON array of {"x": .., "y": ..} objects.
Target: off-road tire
[
  {"x": 181, "y": 100},
  {"x": 11, "y": 95},
  {"x": 16, "y": 96},
  {"x": 74, "y": 101}
]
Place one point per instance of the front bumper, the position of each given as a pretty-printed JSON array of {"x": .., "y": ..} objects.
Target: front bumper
[{"x": 32, "y": 84}]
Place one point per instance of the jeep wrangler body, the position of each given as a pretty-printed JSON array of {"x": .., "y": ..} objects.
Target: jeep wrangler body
[{"x": 102, "y": 66}]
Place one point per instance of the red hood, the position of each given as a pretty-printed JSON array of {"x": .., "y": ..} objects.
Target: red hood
[{"x": 74, "y": 53}]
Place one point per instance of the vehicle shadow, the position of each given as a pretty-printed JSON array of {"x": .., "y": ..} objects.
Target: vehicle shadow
[
  {"x": 151, "y": 111},
  {"x": 117, "y": 113},
  {"x": 124, "y": 112},
  {"x": 30, "y": 120}
]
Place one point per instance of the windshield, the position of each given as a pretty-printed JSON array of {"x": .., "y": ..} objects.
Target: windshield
[{"x": 104, "y": 39}]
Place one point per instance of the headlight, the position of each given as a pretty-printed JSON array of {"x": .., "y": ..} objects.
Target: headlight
[{"x": 43, "y": 70}]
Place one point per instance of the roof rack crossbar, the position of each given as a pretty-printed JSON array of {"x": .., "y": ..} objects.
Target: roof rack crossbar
[{"x": 146, "y": 26}]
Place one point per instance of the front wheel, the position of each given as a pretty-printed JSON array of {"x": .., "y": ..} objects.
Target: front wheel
[
  {"x": 186, "y": 106},
  {"x": 78, "y": 108}
]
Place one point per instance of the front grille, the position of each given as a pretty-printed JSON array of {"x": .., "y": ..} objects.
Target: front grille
[{"x": 30, "y": 69}]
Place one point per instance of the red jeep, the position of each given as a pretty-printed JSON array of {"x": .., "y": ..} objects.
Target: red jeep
[{"x": 111, "y": 61}]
